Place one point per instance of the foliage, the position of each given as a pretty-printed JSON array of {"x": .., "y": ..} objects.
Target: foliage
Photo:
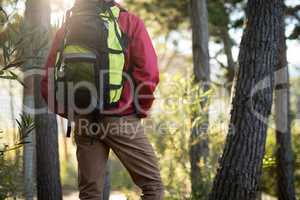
[
  {"x": 268, "y": 184},
  {"x": 25, "y": 127},
  {"x": 170, "y": 137},
  {"x": 14, "y": 40},
  {"x": 10, "y": 170},
  {"x": 10, "y": 42},
  {"x": 293, "y": 15},
  {"x": 295, "y": 98},
  {"x": 172, "y": 14},
  {"x": 170, "y": 131},
  {"x": 296, "y": 148},
  {"x": 120, "y": 179},
  {"x": 10, "y": 179},
  {"x": 173, "y": 110},
  {"x": 169, "y": 14},
  {"x": 166, "y": 16}
]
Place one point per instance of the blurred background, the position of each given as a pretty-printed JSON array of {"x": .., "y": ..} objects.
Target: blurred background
[{"x": 173, "y": 114}]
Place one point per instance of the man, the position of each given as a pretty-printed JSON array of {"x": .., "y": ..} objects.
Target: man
[{"x": 121, "y": 131}]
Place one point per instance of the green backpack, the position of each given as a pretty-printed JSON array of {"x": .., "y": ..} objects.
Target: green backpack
[{"x": 89, "y": 67}]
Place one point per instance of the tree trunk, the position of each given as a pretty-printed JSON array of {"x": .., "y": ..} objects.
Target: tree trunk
[
  {"x": 48, "y": 168},
  {"x": 107, "y": 182},
  {"x": 29, "y": 153},
  {"x": 200, "y": 33},
  {"x": 12, "y": 111},
  {"x": 199, "y": 140},
  {"x": 284, "y": 153},
  {"x": 65, "y": 143},
  {"x": 37, "y": 18},
  {"x": 231, "y": 65},
  {"x": 241, "y": 163},
  {"x": 298, "y": 107}
]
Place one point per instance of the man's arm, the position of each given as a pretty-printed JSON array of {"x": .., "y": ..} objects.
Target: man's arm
[{"x": 144, "y": 70}]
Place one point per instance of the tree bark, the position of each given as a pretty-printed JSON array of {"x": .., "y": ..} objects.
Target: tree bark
[
  {"x": 199, "y": 140},
  {"x": 29, "y": 150},
  {"x": 284, "y": 153},
  {"x": 29, "y": 153},
  {"x": 241, "y": 164},
  {"x": 37, "y": 19},
  {"x": 199, "y": 18}
]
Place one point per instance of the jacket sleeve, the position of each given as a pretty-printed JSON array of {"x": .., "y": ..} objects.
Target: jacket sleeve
[
  {"x": 145, "y": 72},
  {"x": 47, "y": 86}
]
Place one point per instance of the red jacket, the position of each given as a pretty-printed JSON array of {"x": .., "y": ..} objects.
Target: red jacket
[{"x": 140, "y": 59}]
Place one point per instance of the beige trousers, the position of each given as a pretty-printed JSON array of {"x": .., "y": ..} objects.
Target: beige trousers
[{"x": 126, "y": 138}]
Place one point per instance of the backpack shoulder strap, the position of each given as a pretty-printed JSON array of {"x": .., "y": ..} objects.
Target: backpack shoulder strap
[{"x": 114, "y": 14}]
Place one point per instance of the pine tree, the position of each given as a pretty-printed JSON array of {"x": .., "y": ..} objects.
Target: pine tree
[
  {"x": 199, "y": 140},
  {"x": 241, "y": 164},
  {"x": 37, "y": 20},
  {"x": 284, "y": 153}
]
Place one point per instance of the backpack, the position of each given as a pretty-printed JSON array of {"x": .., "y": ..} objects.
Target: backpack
[{"x": 89, "y": 68}]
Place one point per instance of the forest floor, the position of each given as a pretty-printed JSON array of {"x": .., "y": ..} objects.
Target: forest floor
[
  {"x": 113, "y": 196},
  {"x": 119, "y": 196}
]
